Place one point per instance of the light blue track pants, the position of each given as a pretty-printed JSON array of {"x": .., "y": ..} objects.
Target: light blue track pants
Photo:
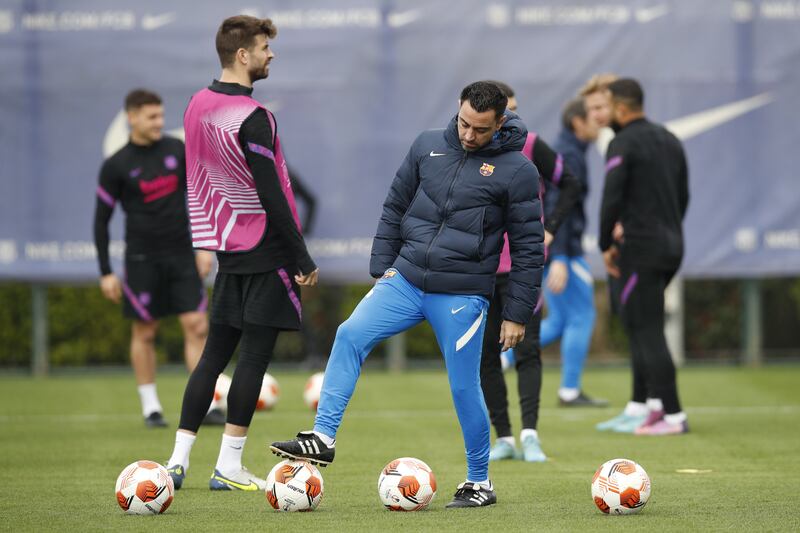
[
  {"x": 570, "y": 317},
  {"x": 394, "y": 305}
]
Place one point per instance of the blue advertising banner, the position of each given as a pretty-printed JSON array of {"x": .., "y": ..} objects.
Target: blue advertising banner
[{"x": 355, "y": 81}]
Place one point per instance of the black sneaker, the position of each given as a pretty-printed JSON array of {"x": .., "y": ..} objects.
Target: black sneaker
[
  {"x": 306, "y": 447},
  {"x": 214, "y": 417},
  {"x": 155, "y": 420},
  {"x": 583, "y": 401},
  {"x": 473, "y": 495}
]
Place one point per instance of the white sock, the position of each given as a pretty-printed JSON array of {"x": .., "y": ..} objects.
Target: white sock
[
  {"x": 486, "y": 484},
  {"x": 636, "y": 409},
  {"x": 568, "y": 394},
  {"x": 528, "y": 431},
  {"x": 654, "y": 404},
  {"x": 149, "y": 398},
  {"x": 229, "y": 462},
  {"x": 509, "y": 440},
  {"x": 675, "y": 418},
  {"x": 183, "y": 447},
  {"x": 326, "y": 440}
]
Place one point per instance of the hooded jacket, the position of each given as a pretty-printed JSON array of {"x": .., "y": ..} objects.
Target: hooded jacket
[{"x": 447, "y": 209}]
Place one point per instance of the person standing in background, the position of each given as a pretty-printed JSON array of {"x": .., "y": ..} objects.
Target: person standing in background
[
  {"x": 163, "y": 276},
  {"x": 569, "y": 287}
]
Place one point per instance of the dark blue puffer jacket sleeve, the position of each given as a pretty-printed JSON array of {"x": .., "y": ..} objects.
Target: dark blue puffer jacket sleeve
[
  {"x": 526, "y": 243},
  {"x": 387, "y": 242}
]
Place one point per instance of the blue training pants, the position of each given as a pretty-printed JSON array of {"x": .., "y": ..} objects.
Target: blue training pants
[
  {"x": 394, "y": 305},
  {"x": 570, "y": 317}
]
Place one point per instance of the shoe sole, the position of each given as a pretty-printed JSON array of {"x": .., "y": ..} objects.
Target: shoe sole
[
  {"x": 449, "y": 506},
  {"x": 287, "y": 455}
]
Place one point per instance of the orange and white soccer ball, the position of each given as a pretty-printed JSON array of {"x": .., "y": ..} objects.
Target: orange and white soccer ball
[
  {"x": 144, "y": 488},
  {"x": 406, "y": 484},
  {"x": 294, "y": 486},
  {"x": 270, "y": 393},
  {"x": 620, "y": 486},
  {"x": 313, "y": 390}
]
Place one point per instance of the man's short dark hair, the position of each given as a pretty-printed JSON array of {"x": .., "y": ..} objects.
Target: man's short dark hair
[
  {"x": 483, "y": 96},
  {"x": 504, "y": 87},
  {"x": 629, "y": 92},
  {"x": 574, "y": 108},
  {"x": 141, "y": 97},
  {"x": 240, "y": 32}
]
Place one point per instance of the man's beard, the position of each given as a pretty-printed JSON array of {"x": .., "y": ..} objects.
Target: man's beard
[
  {"x": 616, "y": 126},
  {"x": 258, "y": 74}
]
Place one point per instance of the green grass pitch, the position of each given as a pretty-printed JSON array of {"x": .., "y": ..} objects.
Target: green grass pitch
[{"x": 64, "y": 440}]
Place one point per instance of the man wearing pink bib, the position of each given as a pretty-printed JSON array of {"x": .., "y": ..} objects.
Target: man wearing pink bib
[{"x": 242, "y": 207}]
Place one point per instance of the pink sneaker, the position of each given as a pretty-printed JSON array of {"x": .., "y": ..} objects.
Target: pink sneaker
[
  {"x": 662, "y": 427},
  {"x": 653, "y": 417}
]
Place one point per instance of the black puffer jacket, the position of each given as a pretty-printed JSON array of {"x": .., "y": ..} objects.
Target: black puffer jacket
[{"x": 443, "y": 220}]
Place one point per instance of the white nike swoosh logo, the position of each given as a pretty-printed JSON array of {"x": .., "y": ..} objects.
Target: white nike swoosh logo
[
  {"x": 697, "y": 123},
  {"x": 153, "y": 22},
  {"x": 649, "y": 14},
  {"x": 403, "y": 18},
  {"x": 434, "y": 154},
  {"x": 454, "y": 311}
]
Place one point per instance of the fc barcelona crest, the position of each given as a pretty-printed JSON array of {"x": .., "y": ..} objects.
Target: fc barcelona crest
[{"x": 486, "y": 169}]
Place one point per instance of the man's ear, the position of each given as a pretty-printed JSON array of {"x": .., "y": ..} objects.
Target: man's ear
[{"x": 502, "y": 121}]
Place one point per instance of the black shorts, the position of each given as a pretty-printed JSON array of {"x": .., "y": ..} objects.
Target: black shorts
[
  {"x": 266, "y": 299},
  {"x": 156, "y": 287}
]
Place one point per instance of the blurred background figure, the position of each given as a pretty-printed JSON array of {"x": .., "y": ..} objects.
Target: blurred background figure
[
  {"x": 163, "y": 275},
  {"x": 568, "y": 287},
  {"x": 527, "y": 354},
  {"x": 647, "y": 189}
]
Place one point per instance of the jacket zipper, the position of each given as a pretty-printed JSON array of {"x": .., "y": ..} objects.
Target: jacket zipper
[{"x": 444, "y": 219}]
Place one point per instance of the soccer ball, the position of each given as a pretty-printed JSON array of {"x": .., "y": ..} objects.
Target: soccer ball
[
  {"x": 406, "y": 484},
  {"x": 620, "y": 486},
  {"x": 313, "y": 390},
  {"x": 270, "y": 392},
  {"x": 294, "y": 486},
  {"x": 221, "y": 390},
  {"x": 144, "y": 488}
]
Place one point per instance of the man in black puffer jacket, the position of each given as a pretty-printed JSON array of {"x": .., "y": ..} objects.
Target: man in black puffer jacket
[{"x": 436, "y": 253}]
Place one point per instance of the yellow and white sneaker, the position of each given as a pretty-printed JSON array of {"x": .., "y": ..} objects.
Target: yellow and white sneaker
[{"x": 243, "y": 480}]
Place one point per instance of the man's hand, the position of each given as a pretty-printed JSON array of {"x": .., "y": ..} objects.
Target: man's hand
[
  {"x": 610, "y": 257},
  {"x": 204, "y": 261},
  {"x": 618, "y": 233},
  {"x": 557, "y": 276},
  {"x": 111, "y": 287},
  {"x": 511, "y": 333},
  {"x": 548, "y": 238},
  {"x": 307, "y": 280}
]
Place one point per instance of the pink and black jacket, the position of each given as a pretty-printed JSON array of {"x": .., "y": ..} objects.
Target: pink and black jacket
[{"x": 238, "y": 188}]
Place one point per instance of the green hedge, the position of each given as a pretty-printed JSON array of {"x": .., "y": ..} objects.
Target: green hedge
[{"x": 87, "y": 329}]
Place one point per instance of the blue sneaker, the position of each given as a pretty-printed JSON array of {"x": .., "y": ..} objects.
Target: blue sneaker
[
  {"x": 502, "y": 451},
  {"x": 244, "y": 480},
  {"x": 532, "y": 450},
  {"x": 622, "y": 423},
  {"x": 177, "y": 473}
]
